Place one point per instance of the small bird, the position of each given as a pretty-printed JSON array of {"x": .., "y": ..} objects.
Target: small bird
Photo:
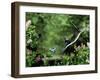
[{"x": 52, "y": 50}]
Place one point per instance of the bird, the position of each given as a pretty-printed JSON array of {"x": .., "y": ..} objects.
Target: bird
[{"x": 52, "y": 50}]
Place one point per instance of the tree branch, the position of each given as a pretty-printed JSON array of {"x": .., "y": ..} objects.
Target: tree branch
[
  {"x": 74, "y": 26},
  {"x": 74, "y": 39}
]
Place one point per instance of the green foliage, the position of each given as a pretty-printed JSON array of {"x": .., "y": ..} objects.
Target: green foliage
[
  {"x": 30, "y": 59},
  {"x": 48, "y": 30}
]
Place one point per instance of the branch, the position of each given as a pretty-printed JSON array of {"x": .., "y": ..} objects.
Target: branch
[
  {"x": 74, "y": 39},
  {"x": 74, "y": 26}
]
